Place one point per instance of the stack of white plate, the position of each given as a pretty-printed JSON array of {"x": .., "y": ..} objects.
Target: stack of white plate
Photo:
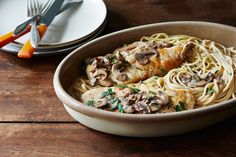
[{"x": 69, "y": 30}]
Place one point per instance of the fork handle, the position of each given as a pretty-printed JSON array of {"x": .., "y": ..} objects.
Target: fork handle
[
  {"x": 28, "y": 50},
  {"x": 9, "y": 37}
]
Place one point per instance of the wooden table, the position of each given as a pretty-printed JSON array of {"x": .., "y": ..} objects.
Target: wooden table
[{"x": 34, "y": 122}]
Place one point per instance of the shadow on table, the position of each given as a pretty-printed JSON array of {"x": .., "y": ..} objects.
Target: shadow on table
[{"x": 216, "y": 140}]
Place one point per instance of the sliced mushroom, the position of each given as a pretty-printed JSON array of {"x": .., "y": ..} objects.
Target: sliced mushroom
[
  {"x": 196, "y": 77},
  {"x": 154, "y": 106},
  {"x": 141, "y": 58},
  {"x": 220, "y": 82},
  {"x": 116, "y": 71},
  {"x": 91, "y": 68},
  {"x": 127, "y": 105},
  {"x": 93, "y": 81},
  {"x": 162, "y": 98},
  {"x": 105, "y": 83},
  {"x": 210, "y": 76},
  {"x": 186, "y": 50},
  {"x": 142, "y": 55},
  {"x": 132, "y": 98},
  {"x": 100, "y": 74},
  {"x": 103, "y": 62},
  {"x": 125, "y": 102},
  {"x": 185, "y": 78},
  {"x": 129, "y": 109},
  {"x": 101, "y": 77},
  {"x": 142, "y": 107},
  {"x": 165, "y": 44},
  {"x": 117, "y": 67}
]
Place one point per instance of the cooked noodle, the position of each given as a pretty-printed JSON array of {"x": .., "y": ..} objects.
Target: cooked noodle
[{"x": 207, "y": 57}]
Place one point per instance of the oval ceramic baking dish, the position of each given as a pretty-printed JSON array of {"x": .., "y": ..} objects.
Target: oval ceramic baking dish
[{"x": 142, "y": 125}]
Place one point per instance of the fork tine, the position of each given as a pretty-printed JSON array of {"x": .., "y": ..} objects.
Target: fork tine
[
  {"x": 28, "y": 8},
  {"x": 33, "y": 7},
  {"x": 37, "y": 7}
]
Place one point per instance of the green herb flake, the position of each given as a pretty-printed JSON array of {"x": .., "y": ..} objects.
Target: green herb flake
[
  {"x": 90, "y": 102},
  {"x": 149, "y": 98},
  {"x": 152, "y": 92},
  {"x": 106, "y": 93},
  {"x": 110, "y": 91},
  {"x": 180, "y": 106},
  {"x": 112, "y": 59},
  {"x": 114, "y": 62},
  {"x": 112, "y": 97},
  {"x": 210, "y": 91},
  {"x": 120, "y": 108},
  {"x": 113, "y": 106},
  {"x": 115, "y": 103},
  {"x": 163, "y": 71},
  {"x": 121, "y": 86},
  {"x": 134, "y": 90}
]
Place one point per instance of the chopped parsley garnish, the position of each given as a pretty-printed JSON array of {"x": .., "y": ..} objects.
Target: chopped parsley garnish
[
  {"x": 90, "y": 102},
  {"x": 153, "y": 93},
  {"x": 106, "y": 93},
  {"x": 114, "y": 62},
  {"x": 149, "y": 98},
  {"x": 112, "y": 59},
  {"x": 120, "y": 108},
  {"x": 110, "y": 91},
  {"x": 121, "y": 86},
  {"x": 180, "y": 106},
  {"x": 210, "y": 91},
  {"x": 115, "y": 104},
  {"x": 163, "y": 71},
  {"x": 134, "y": 90}
]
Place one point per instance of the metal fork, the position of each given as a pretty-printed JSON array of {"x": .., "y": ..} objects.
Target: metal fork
[
  {"x": 22, "y": 27},
  {"x": 34, "y": 8}
]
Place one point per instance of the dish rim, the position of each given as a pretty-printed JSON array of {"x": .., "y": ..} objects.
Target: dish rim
[{"x": 97, "y": 113}]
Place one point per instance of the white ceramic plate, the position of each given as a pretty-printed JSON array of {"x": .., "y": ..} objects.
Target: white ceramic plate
[
  {"x": 73, "y": 25},
  {"x": 15, "y": 48}
]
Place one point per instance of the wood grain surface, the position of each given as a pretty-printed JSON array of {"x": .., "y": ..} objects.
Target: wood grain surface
[{"x": 33, "y": 122}]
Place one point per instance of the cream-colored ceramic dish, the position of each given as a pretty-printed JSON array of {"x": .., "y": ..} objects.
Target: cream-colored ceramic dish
[{"x": 142, "y": 125}]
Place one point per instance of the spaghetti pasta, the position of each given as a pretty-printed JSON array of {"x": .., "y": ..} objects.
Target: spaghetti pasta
[{"x": 208, "y": 71}]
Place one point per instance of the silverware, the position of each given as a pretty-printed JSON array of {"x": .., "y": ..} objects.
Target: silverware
[
  {"x": 22, "y": 27},
  {"x": 30, "y": 12},
  {"x": 43, "y": 23},
  {"x": 34, "y": 9}
]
